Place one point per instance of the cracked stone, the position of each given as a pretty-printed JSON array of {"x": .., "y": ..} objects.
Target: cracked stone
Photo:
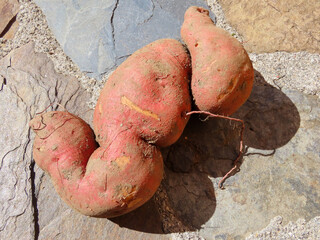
[
  {"x": 30, "y": 208},
  {"x": 99, "y": 35},
  {"x": 8, "y": 23},
  {"x": 29, "y": 85},
  {"x": 270, "y": 25}
]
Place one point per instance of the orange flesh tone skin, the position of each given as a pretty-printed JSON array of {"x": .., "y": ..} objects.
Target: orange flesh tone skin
[
  {"x": 222, "y": 73},
  {"x": 143, "y": 102}
]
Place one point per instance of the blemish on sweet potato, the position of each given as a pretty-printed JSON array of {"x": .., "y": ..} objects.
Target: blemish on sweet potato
[
  {"x": 122, "y": 162},
  {"x": 131, "y": 105},
  {"x": 228, "y": 90},
  {"x": 121, "y": 191},
  {"x": 41, "y": 149},
  {"x": 100, "y": 108},
  {"x": 243, "y": 86}
]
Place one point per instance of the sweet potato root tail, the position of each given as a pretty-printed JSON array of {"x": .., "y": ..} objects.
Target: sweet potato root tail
[{"x": 236, "y": 161}]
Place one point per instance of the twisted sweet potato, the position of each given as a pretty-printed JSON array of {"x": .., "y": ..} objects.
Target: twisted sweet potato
[{"x": 141, "y": 107}]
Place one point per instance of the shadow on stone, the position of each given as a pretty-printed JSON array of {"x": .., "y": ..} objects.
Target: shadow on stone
[
  {"x": 207, "y": 149},
  {"x": 144, "y": 219},
  {"x": 270, "y": 117}
]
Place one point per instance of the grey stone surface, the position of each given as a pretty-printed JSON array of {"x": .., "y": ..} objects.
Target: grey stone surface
[
  {"x": 99, "y": 35},
  {"x": 28, "y": 85},
  {"x": 301, "y": 229},
  {"x": 293, "y": 70},
  {"x": 57, "y": 221},
  {"x": 279, "y": 174}
]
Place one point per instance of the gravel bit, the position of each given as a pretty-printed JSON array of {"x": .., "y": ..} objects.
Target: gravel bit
[{"x": 292, "y": 231}]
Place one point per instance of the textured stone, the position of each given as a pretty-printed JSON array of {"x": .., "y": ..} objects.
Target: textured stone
[
  {"x": 99, "y": 35},
  {"x": 292, "y": 231},
  {"x": 57, "y": 221},
  {"x": 8, "y": 13},
  {"x": 279, "y": 171},
  {"x": 29, "y": 84},
  {"x": 298, "y": 70},
  {"x": 270, "y": 25}
]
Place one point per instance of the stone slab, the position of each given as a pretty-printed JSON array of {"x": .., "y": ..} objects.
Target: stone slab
[
  {"x": 301, "y": 229},
  {"x": 30, "y": 207},
  {"x": 279, "y": 174},
  {"x": 99, "y": 35},
  {"x": 57, "y": 221},
  {"x": 269, "y": 26},
  {"x": 29, "y": 84}
]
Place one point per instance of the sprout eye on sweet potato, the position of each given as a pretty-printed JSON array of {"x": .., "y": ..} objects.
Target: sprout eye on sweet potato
[
  {"x": 222, "y": 73},
  {"x": 141, "y": 108}
]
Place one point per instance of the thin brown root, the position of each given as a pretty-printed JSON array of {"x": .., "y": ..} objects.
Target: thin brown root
[
  {"x": 45, "y": 109},
  {"x": 235, "y": 164},
  {"x": 44, "y": 125},
  {"x": 84, "y": 112},
  {"x": 68, "y": 119},
  {"x": 220, "y": 184},
  {"x": 60, "y": 105}
]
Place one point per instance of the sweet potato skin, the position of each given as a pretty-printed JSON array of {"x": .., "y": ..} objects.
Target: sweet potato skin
[
  {"x": 59, "y": 135},
  {"x": 125, "y": 174},
  {"x": 222, "y": 73},
  {"x": 148, "y": 93},
  {"x": 142, "y": 107},
  {"x": 104, "y": 182}
]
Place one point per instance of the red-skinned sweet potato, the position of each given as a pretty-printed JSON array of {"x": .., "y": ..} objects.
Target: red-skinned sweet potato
[
  {"x": 141, "y": 107},
  {"x": 154, "y": 95},
  {"x": 60, "y": 135},
  {"x": 222, "y": 73},
  {"x": 106, "y": 181}
]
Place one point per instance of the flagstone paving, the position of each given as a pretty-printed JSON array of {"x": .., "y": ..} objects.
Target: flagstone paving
[{"x": 278, "y": 182}]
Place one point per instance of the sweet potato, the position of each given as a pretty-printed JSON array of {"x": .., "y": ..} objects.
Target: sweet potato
[
  {"x": 148, "y": 93},
  {"x": 141, "y": 107},
  {"x": 60, "y": 135},
  {"x": 222, "y": 73}
]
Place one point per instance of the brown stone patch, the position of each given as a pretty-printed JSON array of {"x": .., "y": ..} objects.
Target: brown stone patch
[
  {"x": 8, "y": 13},
  {"x": 270, "y": 25}
]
